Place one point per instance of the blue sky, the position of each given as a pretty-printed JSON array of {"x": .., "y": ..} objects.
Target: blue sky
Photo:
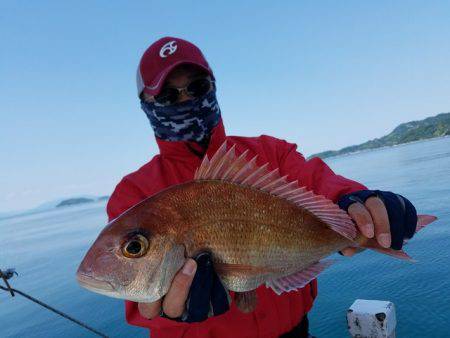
[{"x": 323, "y": 74}]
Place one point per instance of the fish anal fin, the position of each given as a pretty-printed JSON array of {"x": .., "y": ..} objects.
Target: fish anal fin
[
  {"x": 298, "y": 279},
  {"x": 246, "y": 301}
]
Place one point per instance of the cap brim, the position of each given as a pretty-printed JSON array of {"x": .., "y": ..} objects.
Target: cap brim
[{"x": 155, "y": 89}]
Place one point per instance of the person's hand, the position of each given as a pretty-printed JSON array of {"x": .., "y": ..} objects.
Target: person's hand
[
  {"x": 174, "y": 302},
  {"x": 388, "y": 217},
  {"x": 196, "y": 292}
]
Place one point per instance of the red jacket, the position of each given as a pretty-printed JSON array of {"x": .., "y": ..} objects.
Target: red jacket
[{"x": 176, "y": 163}]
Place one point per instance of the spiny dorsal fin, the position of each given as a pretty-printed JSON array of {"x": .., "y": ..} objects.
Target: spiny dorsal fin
[{"x": 226, "y": 166}]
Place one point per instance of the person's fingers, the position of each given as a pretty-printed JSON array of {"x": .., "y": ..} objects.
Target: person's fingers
[
  {"x": 362, "y": 218},
  {"x": 410, "y": 217},
  {"x": 175, "y": 299},
  {"x": 380, "y": 217},
  {"x": 150, "y": 310}
]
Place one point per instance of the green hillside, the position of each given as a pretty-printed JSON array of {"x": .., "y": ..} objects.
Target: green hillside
[{"x": 431, "y": 127}]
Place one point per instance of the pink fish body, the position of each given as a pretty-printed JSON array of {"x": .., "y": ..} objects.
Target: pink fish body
[{"x": 260, "y": 229}]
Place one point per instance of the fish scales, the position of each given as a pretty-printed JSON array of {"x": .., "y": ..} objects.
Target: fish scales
[
  {"x": 259, "y": 227},
  {"x": 248, "y": 228}
]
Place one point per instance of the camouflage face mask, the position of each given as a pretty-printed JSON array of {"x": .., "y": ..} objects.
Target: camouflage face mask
[{"x": 192, "y": 120}]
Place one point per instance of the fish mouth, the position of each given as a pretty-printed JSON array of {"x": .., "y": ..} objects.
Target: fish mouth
[{"x": 91, "y": 283}]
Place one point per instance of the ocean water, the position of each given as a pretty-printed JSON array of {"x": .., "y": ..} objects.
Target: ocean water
[
  {"x": 420, "y": 291},
  {"x": 47, "y": 247}
]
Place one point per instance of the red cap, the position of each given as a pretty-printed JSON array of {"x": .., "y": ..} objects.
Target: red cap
[{"x": 163, "y": 56}]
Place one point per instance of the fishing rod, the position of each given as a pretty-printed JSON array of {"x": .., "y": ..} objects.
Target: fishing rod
[{"x": 9, "y": 273}]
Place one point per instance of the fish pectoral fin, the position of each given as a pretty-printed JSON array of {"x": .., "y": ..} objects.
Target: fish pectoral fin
[
  {"x": 246, "y": 301},
  {"x": 298, "y": 279}
]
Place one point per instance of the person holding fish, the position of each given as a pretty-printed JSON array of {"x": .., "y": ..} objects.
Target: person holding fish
[{"x": 224, "y": 236}]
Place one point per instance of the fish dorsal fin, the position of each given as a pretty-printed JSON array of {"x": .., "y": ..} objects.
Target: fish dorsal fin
[{"x": 226, "y": 166}]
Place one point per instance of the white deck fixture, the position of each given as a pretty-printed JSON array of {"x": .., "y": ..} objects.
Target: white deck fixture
[{"x": 371, "y": 319}]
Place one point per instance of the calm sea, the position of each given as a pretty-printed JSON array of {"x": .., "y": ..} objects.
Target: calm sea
[{"x": 46, "y": 249}]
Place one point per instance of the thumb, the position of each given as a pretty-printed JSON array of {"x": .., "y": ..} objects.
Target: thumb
[{"x": 175, "y": 299}]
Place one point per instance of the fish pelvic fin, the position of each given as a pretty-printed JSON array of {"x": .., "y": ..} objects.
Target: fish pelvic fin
[
  {"x": 298, "y": 279},
  {"x": 246, "y": 301},
  {"x": 225, "y": 165}
]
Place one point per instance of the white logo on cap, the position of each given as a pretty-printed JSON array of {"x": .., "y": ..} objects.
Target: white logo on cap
[{"x": 168, "y": 49}]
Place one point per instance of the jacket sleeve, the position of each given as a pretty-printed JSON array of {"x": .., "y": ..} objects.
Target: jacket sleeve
[
  {"x": 124, "y": 197},
  {"x": 315, "y": 174}
]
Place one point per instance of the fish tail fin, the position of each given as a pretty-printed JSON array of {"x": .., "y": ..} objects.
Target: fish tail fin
[
  {"x": 372, "y": 244},
  {"x": 400, "y": 254},
  {"x": 424, "y": 220}
]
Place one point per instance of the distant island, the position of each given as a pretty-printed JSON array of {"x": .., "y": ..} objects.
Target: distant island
[
  {"x": 55, "y": 204},
  {"x": 80, "y": 200},
  {"x": 431, "y": 127}
]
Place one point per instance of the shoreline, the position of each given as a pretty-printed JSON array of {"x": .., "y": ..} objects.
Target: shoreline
[
  {"x": 32, "y": 212},
  {"x": 380, "y": 148}
]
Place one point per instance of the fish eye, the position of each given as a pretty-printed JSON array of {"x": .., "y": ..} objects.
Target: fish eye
[{"x": 135, "y": 247}]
